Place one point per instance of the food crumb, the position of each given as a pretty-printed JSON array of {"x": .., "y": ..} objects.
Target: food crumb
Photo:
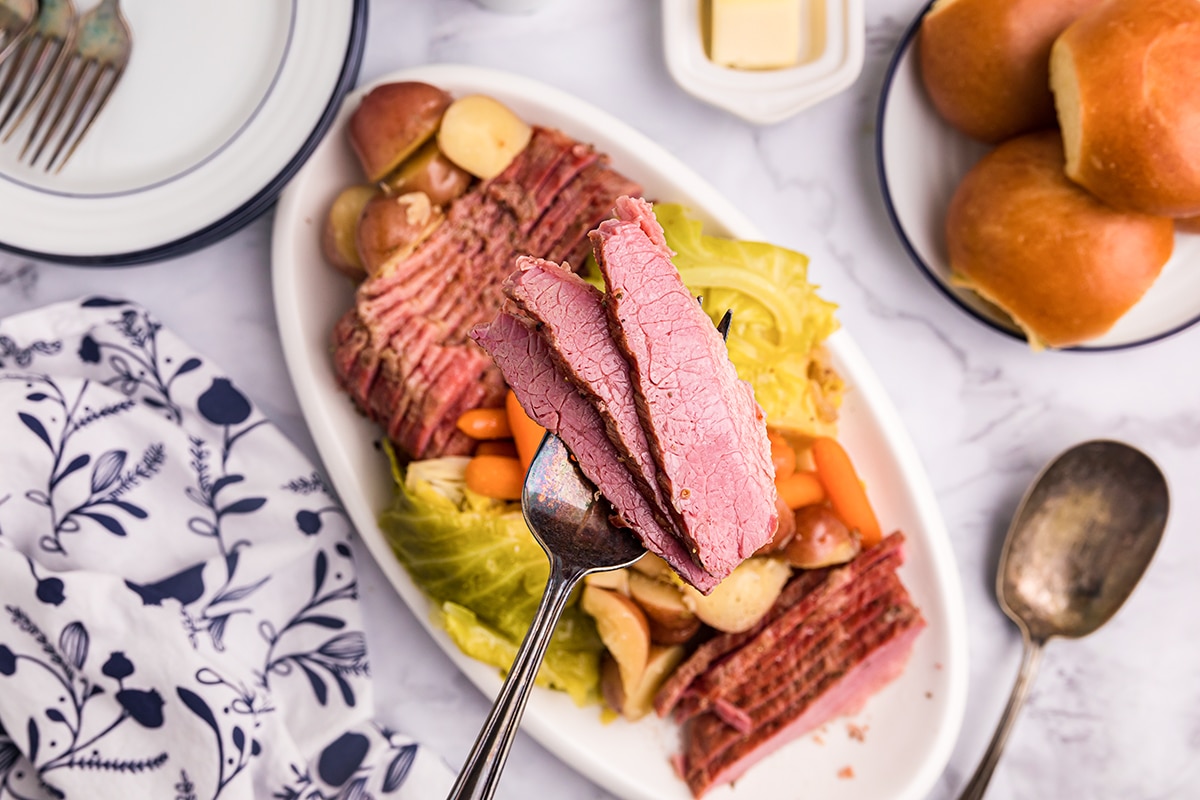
[
  {"x": 846, "y": 773},
  {"x": 857, "y": 732},
  {"x": 819, "y": 740}
]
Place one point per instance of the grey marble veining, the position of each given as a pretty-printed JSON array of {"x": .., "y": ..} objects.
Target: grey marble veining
[{"x": 1115, "y": 716}]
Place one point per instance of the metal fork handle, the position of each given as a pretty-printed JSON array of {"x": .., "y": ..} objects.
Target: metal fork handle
[{"x": 481, "y": 772}]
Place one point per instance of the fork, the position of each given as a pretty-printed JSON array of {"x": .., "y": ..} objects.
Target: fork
[
  {"x": 92, "y": 70},
  {"x": 39, "y": 56},
  {"x": 16, "y": 17}
]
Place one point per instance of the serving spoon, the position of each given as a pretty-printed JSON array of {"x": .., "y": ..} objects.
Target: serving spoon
[
  {"x": 1081, "y": 539},
  {"x": 570, "y": 520}
]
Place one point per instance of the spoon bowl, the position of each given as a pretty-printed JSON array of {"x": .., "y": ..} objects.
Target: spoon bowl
[
  {"x": 1083, "y": 536},
  {"x": 1081, "y": 540}
]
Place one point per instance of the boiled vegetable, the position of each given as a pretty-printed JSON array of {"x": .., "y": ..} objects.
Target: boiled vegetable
[
  {"x": 846, "y": 491},
  {"x": 800, "y": 489},
  {"x": 498, "y": 477},
  {"x": 482, "y": 135},
  {"x": 485, "y": 423},
  {"x": 526, "y": 433},
  {"x": 478, "y": 562}
]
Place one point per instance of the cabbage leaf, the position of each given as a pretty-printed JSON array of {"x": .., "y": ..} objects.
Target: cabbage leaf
[
  {"x": 477, "y": 561},
  {"x": 779, "y": 320}
]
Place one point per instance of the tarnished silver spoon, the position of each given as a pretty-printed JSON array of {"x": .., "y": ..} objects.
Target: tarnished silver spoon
[
  {"x": 571, "y": 522},
  {"x": 1081, "y": 540}
]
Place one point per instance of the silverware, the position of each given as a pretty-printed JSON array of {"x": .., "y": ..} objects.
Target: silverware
[
  {"x": 39, "y": 56},
  {"x": 82, "y": 85},
  {"x": 572, "y": 525},
  {"x": 16, "y": 18},
  {"x": 1081, "y": 540}
]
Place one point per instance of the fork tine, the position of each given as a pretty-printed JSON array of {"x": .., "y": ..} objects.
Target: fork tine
[
  {"x": 58, "y": 102},
  {"x": 13, "y": 68},
  {"x": 96, "y": 104},
  {"x": 30, "y": 66}
]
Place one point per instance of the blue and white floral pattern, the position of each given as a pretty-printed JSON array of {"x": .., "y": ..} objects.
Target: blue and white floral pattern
[{"x": 178, "y": 603}]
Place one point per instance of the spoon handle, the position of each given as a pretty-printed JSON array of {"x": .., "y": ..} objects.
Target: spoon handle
[
  {"x": 983, "y": 773},
  {"x": 481, "y": 773}
]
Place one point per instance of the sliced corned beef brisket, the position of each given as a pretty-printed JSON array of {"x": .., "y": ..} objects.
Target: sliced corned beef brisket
[
  {"x": 544, "y": 392},
  {"x": 832, "y": 640},
  {"x": 704, "y": 428},
  {"x": 403, "y": 354},
  {"x": 571, "y": 317}
]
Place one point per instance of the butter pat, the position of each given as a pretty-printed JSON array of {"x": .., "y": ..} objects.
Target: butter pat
[{"x": 755, "y": 34}]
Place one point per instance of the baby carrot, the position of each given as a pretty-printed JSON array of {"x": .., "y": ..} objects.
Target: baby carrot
[
  {"x": 845, "y": 490},
  {"x": 801, "y": 488},
  {"x": 783, "y": 455},
  {"x": 500, "y": 477},
  {"x": 527, "y": 433},
  {"x": 485, "y": 423},
  {"x": 497, "y": 447}
]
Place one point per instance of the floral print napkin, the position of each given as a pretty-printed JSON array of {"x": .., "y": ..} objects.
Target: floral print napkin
[{"x": 178, "y": 602}]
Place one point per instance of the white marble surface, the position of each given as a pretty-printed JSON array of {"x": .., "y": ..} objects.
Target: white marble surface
[{"x": 1116, "y": 715}]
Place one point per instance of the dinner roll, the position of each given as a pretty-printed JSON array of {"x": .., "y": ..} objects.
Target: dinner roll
[
  {"x": 985, "y": 63},
  {"x": 1061, "y": 263},
  {"x": 1126, "y": 82}
]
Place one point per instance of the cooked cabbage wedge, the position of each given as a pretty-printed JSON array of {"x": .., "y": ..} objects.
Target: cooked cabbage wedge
[
  {"x": 779, "y": 320},
  {"x": 477, "y": 561}
]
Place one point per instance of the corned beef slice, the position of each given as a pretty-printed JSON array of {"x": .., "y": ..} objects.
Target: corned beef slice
[
  {"x": 571, "y": 317},
  {"x": 403, "y": 354},
  {"x": 835, "y": 637},
  {"x": 704, "y": 429},
  {"x": 551, "y": 401}
]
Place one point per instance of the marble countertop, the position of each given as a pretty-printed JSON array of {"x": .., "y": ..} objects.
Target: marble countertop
[{"x": 1115, "y": 715}]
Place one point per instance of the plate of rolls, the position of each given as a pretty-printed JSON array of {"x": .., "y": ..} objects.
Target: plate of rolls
[{"x": 1040, "y": 162}]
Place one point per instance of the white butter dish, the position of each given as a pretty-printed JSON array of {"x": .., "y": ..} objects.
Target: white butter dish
[{"x": 830, "y": 59}]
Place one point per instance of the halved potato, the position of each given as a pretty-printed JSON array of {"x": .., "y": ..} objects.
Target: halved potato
[
  {"x": 622, "y": 627},
  {"x": 390, "y": 229},
  {"x": 429, "y": 171},
  {"x": 671, "y": 622},
  {"x": 739, "y": 601},
  {"x": 482, "y": 135},
  {"x": 636, "y": 701},
  {"x": 392, "y": 121},
  {"x": 340, "y": 234},
  {"x": 821, "y": 540}
]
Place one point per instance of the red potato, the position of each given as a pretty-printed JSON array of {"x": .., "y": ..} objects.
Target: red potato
[
  {"x": 783, "y": 532},
  {"x": 821, "y": 539},
  {"x": 429, "y": 171},
  {"x": 391, "y": 228},
  {"x": 743, "y": 597},
  {"x": 392, "y": 121},
  {"x": 671, "y": 622},
  {"x": 623, "y": 630},
  {"x": 340, "y": 234},
  {"x": 636, "y": 701},
  {"x": 482, "y": 135},
  {"x": 616, "y": 580}
]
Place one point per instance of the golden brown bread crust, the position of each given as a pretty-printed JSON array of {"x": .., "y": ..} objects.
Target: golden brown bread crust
[
  {"x": 392, "y": 121},
  {"x": 985, "y": 63},
  {"x": 1188, "y": 224},
  {"x": 1061, "y": 263},
  {"x": 1126, "y": 79}
]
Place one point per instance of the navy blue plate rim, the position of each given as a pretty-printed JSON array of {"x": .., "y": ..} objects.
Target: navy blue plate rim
[{"x": 251, "y": 209}]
